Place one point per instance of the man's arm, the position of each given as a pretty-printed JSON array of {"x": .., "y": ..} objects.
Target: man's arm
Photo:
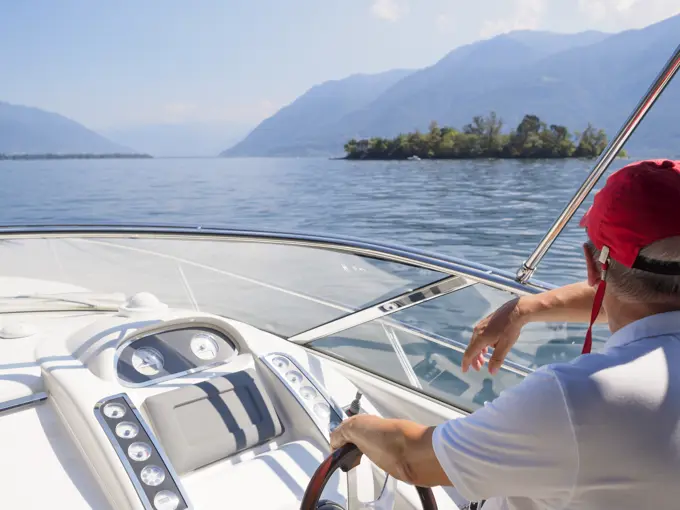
[
  {"x": 571, "y": 303},
  {"x": 401, "y": 448},
  {"x": 522, "y": 443},
  {"x": 501, "y": 329}
]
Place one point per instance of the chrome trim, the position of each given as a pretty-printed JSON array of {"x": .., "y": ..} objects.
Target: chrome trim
[
  {"x": 324, "y": 428},
  {"x": 606, "y": 158},
  {"x": 148, "y": 505},
  {"x": 419, "y": 258},
  {"x": 384, "y": 308},
  {"x": 122, "y": 456},
  {"x": 164, "y": 327},
  {"x": 28, "y": 400}
]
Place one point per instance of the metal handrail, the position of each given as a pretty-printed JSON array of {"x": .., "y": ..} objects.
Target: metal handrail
[{"x": 605, "y": 160}]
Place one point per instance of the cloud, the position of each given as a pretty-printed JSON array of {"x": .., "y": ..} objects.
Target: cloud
[
  {"x": 629, "y": 13},
  {"x": 527, "y": 14},
  {"x": 388, "y": 10}
]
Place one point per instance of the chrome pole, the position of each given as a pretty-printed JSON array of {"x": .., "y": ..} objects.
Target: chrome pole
[{"x": 603, "y": 163}]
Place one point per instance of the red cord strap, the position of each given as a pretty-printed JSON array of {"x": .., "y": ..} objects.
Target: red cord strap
[{"x": 597, "y": 306}]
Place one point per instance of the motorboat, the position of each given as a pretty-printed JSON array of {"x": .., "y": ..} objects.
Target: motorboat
[{"x": 173, "y": 368}]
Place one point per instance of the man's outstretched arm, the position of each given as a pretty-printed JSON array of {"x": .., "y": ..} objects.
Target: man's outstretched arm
[{"x": 401, "y": 448}]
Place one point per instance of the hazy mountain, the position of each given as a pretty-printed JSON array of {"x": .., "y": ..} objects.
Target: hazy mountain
[
  {"x": 187, "y": 139},
  {"x": 33, "y": 131},
  {"x": 295, "y": 125},
  {"x": 567, "y": 79}
]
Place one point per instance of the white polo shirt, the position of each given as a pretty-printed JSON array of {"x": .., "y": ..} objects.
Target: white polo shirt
[{"x": 601, "y": 432}]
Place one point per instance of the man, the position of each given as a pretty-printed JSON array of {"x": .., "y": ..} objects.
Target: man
[{"x": 601, "y": 432}]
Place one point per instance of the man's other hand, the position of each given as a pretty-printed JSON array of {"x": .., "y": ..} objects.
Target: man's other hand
[{"x": 499, "y": 331}]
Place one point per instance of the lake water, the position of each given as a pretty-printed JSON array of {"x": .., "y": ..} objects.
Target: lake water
[{"x": 487, "y": 211}]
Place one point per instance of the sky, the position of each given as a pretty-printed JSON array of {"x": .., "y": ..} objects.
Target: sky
[{"x": 129, "y": 63}]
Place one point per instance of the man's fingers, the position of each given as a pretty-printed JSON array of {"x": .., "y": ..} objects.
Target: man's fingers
[
  {"x": 337, "y": 437},
  {"x": 499, "y": 354},
  {"x": 477, "y": 364},
  {"x": 477, "y": 347},
  {"x": 474, "y": 348}
]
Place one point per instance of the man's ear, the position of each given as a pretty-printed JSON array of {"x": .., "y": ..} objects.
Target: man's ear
[{"x": 594, "y": 273}]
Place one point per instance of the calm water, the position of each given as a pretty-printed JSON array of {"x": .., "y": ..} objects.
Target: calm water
[{"x": 488, "y": 211}]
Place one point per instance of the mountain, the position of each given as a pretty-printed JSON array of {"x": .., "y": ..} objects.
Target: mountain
[
  {"x": 186, "y": 139},
  {"x": 568, "y": 79},
  {"x": 33, "y": 131},
  {"x": 294, "y": 126}
]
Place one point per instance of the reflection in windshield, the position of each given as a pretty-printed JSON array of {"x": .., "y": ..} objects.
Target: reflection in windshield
[
  {"x": 283, "y": 289},
  {"x": 424, "y": 347}
]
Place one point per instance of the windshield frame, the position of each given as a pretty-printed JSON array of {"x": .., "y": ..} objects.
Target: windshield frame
[{"x": 386, "y": 251}]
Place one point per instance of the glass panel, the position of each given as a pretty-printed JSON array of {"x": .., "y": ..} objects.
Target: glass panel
[
  {"x": 284, "y": 289},
  {"x": 423, "y": 346}
]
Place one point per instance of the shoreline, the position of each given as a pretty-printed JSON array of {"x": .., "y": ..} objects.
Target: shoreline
[
  {"x": 33, "y": 157},
  {"x": 499, "y": 158}
]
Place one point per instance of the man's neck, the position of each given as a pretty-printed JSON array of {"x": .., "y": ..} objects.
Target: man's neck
[{"x": 621, "y": 313}]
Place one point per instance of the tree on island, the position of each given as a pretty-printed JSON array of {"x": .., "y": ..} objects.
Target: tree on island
[{"x": 483, "y": 138}]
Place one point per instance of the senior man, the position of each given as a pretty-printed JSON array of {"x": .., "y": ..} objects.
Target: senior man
[{"x": 600, "y": 432}]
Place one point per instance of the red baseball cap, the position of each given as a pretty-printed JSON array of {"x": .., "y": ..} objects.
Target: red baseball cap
[{"x": 639, "y": 205}]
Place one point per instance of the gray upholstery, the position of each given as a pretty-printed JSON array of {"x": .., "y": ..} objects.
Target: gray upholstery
[{"x": 206, "y": 422}]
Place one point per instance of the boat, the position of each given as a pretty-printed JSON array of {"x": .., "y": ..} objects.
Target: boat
[
  {"x": 166, "y": 368},
  {"x": 413, "y": 158}
]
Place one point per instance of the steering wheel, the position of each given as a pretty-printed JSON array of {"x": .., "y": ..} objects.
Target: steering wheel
[{"x": 346, "y": 458}]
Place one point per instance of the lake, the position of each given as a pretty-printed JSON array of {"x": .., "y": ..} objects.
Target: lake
[{"x": 487, "y": 211}]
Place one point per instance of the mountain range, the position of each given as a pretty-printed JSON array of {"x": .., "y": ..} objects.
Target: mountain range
[
  {"x": 567, "y": 79},
  {"x": 30, "y": 130}
]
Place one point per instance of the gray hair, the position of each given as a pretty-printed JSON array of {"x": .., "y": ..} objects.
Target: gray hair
[{"x": 637, "y": 285}]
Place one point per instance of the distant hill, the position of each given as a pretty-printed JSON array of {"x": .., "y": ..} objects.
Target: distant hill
[
  {"x": 294, "y": 127},
  {"x": 29, "y": 130},
  {"x": 569, "y": 79}
]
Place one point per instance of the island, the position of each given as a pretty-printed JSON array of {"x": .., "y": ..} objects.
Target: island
[
  {"x": 484, "y": 138},
  {"x": 24, "y": 157}
]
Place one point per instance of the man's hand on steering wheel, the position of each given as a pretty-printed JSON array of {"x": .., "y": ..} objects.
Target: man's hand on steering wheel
[{"x": 339, "y": 439}]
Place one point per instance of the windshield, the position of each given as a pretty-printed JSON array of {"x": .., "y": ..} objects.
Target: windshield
[
  {"x": 283, "y": 289},
  {"x": 403, "y": 322}
]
